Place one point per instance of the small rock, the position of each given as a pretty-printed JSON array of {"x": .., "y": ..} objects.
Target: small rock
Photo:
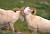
[
  {"x": 19, "y": 32},
  {"x": 22, "y": 1}
]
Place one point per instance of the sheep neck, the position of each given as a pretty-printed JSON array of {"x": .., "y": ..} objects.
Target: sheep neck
[{"x": 27, "y": 16}]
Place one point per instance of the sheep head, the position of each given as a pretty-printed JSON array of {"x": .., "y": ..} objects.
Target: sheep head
[
  {"x": 18, "y": 9},
  {"x": 29, "y": 9},
  {"x": 21, "y": 13},
  {"x": 32, "y": 8}
]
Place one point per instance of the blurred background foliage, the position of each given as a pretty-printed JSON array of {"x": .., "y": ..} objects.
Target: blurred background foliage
[{"x": 42, "y": 7}]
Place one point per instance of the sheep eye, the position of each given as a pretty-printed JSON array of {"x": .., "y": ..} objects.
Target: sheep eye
[{"x": 28, "y": 10}]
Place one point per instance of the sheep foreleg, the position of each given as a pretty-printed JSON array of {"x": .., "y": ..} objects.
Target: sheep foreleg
[
  {"x": 34, "y": 31},
  {"x": 12, "y": 27}
]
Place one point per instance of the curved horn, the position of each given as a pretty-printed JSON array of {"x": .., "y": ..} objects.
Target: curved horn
[
  {"x": 34, "y": 10},
  {"x": 15, "y": 9},
  {"x": 22, "y": 9}
]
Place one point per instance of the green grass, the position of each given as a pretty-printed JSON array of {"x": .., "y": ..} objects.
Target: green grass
[{"x": 22, "y": 26}]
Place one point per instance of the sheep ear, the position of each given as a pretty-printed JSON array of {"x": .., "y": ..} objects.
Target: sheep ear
[
  {"x": 34, "y": 10},
  {"x": 21, "y": 17}
]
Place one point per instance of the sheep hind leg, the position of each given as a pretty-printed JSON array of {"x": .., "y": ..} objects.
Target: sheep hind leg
[{"x": 34, "y": 31}]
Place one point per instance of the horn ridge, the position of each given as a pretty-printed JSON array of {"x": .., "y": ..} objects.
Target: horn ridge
[{"x": 34, "y": 10}]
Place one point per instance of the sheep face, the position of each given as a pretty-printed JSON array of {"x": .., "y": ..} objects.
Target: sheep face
[{"x": 29, "y": 10}]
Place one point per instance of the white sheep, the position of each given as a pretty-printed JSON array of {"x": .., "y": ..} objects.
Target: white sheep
[
  {"x": 10, "y": 17},
  {"x": 36, "y": 23}
]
